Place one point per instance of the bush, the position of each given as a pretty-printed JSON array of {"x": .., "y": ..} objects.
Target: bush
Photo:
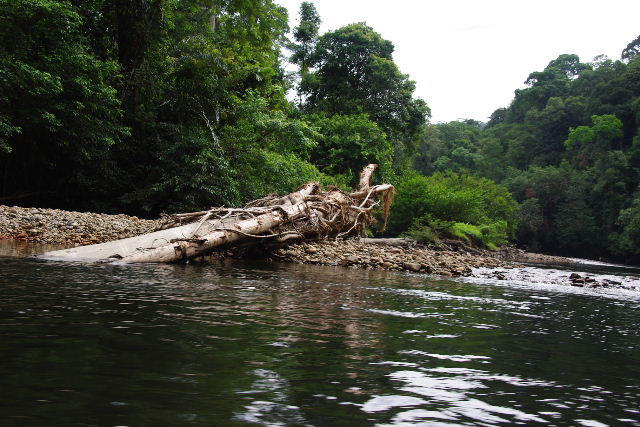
[
  {"x": 441, "y": 200},
  {"x": 490, "y": 236}
]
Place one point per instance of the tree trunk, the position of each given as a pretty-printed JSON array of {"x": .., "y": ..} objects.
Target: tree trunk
[{"x": 306, "y": 213}]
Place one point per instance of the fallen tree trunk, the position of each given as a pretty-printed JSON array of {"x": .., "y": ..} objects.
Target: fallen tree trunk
[{"x": 306, "y": 213}]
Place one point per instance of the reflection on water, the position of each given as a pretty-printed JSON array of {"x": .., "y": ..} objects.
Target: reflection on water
[
  {"x": 18, "y": 248},
  {"x": 241, "y": 344}
]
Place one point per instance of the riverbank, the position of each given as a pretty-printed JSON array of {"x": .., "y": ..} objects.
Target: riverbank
[
  {"x": 367, "y": 254},
  {"x": 65, "y": 228},
  {"x": 58, "y": 227}
]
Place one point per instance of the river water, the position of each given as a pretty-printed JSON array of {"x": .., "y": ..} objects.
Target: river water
[{"x": 268, "y": 344}]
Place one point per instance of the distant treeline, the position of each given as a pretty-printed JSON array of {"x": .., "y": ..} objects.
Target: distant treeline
[
  {"x": 568, "y": 148},
  {"x": 145, "y": 106}
]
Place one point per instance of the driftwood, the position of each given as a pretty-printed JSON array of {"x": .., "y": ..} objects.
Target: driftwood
[{"x": 307, "y": 213}]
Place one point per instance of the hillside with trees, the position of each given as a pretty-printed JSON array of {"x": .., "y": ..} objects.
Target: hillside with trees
[
  {"x": 150, "y": 106},
  {"x": 568, "y": 149}
]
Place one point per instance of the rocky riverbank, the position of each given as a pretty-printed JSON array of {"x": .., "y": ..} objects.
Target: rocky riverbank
[
  {"x": 369, "y": 255},
  {"x": 58, "y": 227},
  {"x": 54, "y": 226}
]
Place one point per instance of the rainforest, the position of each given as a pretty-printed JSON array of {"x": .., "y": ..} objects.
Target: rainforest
[{"x": 151, "y": 106}]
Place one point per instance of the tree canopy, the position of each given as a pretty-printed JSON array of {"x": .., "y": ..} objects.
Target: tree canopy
[
  {"x": 566, "y": 147},
  {"x": 144, "y": 106}
]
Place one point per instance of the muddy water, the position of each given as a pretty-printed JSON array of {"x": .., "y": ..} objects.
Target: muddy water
[{"x": 250, "y": 344}]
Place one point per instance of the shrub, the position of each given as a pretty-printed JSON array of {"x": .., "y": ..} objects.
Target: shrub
[{"x": 442, "y": 200}]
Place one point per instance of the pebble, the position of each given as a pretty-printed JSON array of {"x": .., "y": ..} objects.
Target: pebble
[
  {"x": 56, "y": 226},
  {"x": 356, "y": 254}
]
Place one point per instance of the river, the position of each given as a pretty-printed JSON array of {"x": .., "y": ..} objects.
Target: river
[{"x": 270, "y": 344}]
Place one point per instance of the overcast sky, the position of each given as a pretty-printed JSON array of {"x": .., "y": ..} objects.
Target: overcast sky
[{"x": 468, "y": 56}]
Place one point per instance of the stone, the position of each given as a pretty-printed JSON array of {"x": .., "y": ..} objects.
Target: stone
[{"x": 412, "y": 266}]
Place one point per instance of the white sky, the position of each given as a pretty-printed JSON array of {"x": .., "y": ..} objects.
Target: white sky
[{"x": 468, "y": 56}]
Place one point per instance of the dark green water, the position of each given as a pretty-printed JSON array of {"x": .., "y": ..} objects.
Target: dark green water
[{"x": 246, "y": 344}]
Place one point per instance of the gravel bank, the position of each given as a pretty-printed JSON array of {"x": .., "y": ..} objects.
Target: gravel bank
[
  {"x": 356, "y": 254},
  {"x": 56, "y": 226}
]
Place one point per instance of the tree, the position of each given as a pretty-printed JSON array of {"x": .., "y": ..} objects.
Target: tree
[
  {"x": 59, "y": 109},
  {"x": 554, "y": 81},
  {"x": 306, "y": 36},
  {"x": 448, "y": 146},
  {"x": 632, "y": 50},
  {"x": 561, "y": 196},
  {"x": 586, "y": 145},
  {"x": 626, "y": 243},
  {"x": 193, "y": 82},
  {"x": 355, "y": 74},
  {"x": 349, "y": 141}
]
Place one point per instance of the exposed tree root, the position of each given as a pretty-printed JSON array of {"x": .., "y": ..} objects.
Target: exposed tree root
[{"x": 309, "y": 213}]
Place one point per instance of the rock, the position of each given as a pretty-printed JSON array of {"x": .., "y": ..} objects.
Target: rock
[
  {"x": 349, "y": 260},
  {"x": 574, "y": 276},
  {"x": 412, "y": 266},
  {"x": 311, "y": 250}
]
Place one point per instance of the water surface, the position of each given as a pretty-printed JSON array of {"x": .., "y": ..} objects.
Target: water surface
[{"x": 258, "y": 344}]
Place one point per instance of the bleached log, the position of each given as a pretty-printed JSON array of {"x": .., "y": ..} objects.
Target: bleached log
[
  {"x": 306, "y": 213},
  {"x": 253, "y": 227}
]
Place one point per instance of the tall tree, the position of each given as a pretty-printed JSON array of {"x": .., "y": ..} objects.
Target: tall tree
[
  {"x": 59, "y": 109},
  {"x": 355, "y": 74},
  {"x": 306, "y": 36},
  {"x": 632, "y": 50}
]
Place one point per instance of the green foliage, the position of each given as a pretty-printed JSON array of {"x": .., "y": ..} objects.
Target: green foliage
[
  {"x": 449, "y": 146},
  {"x": 347, "y": 142},
  {"x": 626, "y": 243},
  {"x": 59, "y": 108},
  {"x": 282, "y": 174},
  {"x": 430, "y": 230},
  {"x": 632, "y": 50},
  {"x": 586, "y": 145},
  {"x": 530, "y": 221},
  {"x": 306, "y": 36},
  {"x": 422, "y": 232},
  {"x": 355, "y": 74},
  {"x": 452, "y": 197},
  {"x": 195, "y": 174},
  {"x": 495, "y": 234},
  {"x": 465, "y": 231},
  {"x": 491, "y": 236},
  {"x": 143, "y": 106},
  {"x": 567, "y": 147},
  {"x": 555, "y": 210}
]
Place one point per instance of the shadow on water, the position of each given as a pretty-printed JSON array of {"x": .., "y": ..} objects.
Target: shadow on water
[{"x": 249, "y": 343}]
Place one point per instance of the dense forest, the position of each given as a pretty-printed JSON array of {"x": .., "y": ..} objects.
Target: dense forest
[{"x": 145, "y": 106}]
